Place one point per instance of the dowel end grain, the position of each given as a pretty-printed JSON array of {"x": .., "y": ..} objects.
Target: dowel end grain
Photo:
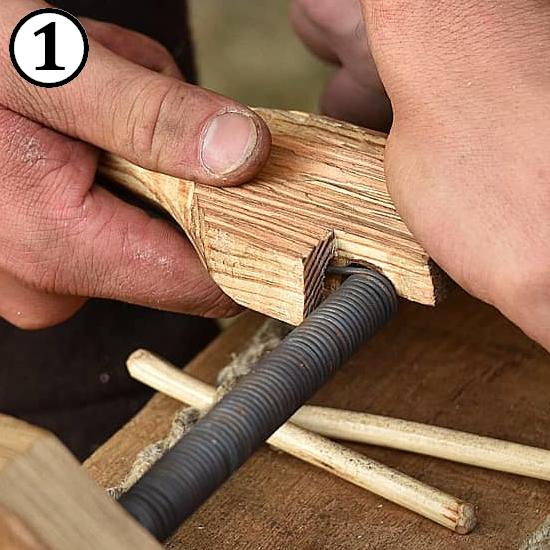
[{"x": 465, "y": 518}]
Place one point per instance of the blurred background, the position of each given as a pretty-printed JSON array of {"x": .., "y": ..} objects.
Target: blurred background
[{"x": 247, "y": 50}]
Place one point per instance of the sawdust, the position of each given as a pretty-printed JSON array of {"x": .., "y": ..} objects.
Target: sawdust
[
  {"x": 181, "y": 423},
  {"x": 540, "y": 539},
  {"x": 267, "y": 338}
]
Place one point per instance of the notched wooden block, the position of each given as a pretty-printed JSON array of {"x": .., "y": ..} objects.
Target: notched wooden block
[{"x": 321, "y": 199}]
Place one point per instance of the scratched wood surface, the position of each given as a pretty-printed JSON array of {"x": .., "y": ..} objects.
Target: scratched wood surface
[
  {"x": 321, "y": 199},
  {"x": 460, "y": 365}
]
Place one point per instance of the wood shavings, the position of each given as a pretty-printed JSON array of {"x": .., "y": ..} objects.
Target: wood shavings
[
  {"x": 268, "y": 337},
  {"x": 181, "y": 423}
]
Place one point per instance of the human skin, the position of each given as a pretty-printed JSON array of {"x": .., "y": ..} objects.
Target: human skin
[
  {"x": 63, "y": 238},
  {"x": 468, "y": 155}
]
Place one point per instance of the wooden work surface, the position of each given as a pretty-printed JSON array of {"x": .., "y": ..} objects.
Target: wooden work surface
[{"x": 460, "y": 365}]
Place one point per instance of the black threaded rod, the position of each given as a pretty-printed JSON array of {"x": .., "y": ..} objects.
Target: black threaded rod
[{"x": 262, "y": 401}]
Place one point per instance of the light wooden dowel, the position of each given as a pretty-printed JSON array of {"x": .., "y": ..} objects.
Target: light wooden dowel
[
  {"x": 391, "y": 484},
  {"x": 466, "y": 448},
  {"x": 415, "y": 437}
]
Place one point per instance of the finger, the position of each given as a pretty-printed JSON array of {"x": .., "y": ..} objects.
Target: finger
[
  {"x": 333, "y": 30},
  {"x": 133, "y": 46},
  {"x": 122, "y": 253},
  {"x": 336, "y": 31},
  {"x": 311, "y": 34},
  {"x": 31, "y": 309},
  {"x": 347, "y": 99},
  {"x": 150, "y": 119},
  {"x": 59, "y": 239}
]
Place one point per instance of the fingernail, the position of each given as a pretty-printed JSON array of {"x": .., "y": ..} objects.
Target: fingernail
[{"x": 227, "y": 142}]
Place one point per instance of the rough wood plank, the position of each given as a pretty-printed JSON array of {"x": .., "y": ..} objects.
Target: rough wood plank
[
  {"x": 321, "y": 199},
  {"x": 48, "y": 502},
  {"x": 461, "y": 365}
]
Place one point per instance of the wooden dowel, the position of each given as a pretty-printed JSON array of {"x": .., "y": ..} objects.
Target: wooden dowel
[
  {"x": 457, "y": 446},
  {"x": 391, "y": 484},
  {"x": 415, "y": 437}
]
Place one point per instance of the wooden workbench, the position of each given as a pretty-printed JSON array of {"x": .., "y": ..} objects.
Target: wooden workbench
[{"x": 460, "y": 365}]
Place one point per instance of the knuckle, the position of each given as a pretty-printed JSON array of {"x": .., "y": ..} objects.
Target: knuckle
[
  {"x": 338, "y": 20},
  {"x": 37, "y": 164},
  {"x": 147, "y": 120}
]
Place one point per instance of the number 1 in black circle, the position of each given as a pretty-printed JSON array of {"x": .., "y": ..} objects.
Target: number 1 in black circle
[{"x": 49, "y": 48}]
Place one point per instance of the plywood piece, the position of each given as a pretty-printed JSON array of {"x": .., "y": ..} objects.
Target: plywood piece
[
  {"x": 320, "y": 200},
  {"x": 461, "y": 365},
  {"x": 48, "y": 502}
]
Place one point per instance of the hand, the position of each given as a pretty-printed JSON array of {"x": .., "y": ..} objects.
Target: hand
[
  {"x": 334, "y": 30},
  {"x": 467, "y": 159},
  {"x": 62, "y": 238}
]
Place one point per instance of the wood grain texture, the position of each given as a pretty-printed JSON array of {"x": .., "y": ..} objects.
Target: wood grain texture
[
  {"x": 15, "y": 535},
  {"x": 321, "y": 199},
  {"x": 48, "y": 502},
  {"x": 461, "y": 366}
]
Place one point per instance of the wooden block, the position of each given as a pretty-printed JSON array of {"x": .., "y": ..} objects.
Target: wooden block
[
  {"x": 48, "y": 502},
  {"x": 15, "y": 535},
  {"x": 320, "y": 200}
]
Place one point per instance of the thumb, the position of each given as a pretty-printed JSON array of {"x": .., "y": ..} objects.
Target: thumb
[{"x": 150, "y": 119}]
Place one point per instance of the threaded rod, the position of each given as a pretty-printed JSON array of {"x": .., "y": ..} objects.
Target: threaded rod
[{"x": 263, "y": 400}]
